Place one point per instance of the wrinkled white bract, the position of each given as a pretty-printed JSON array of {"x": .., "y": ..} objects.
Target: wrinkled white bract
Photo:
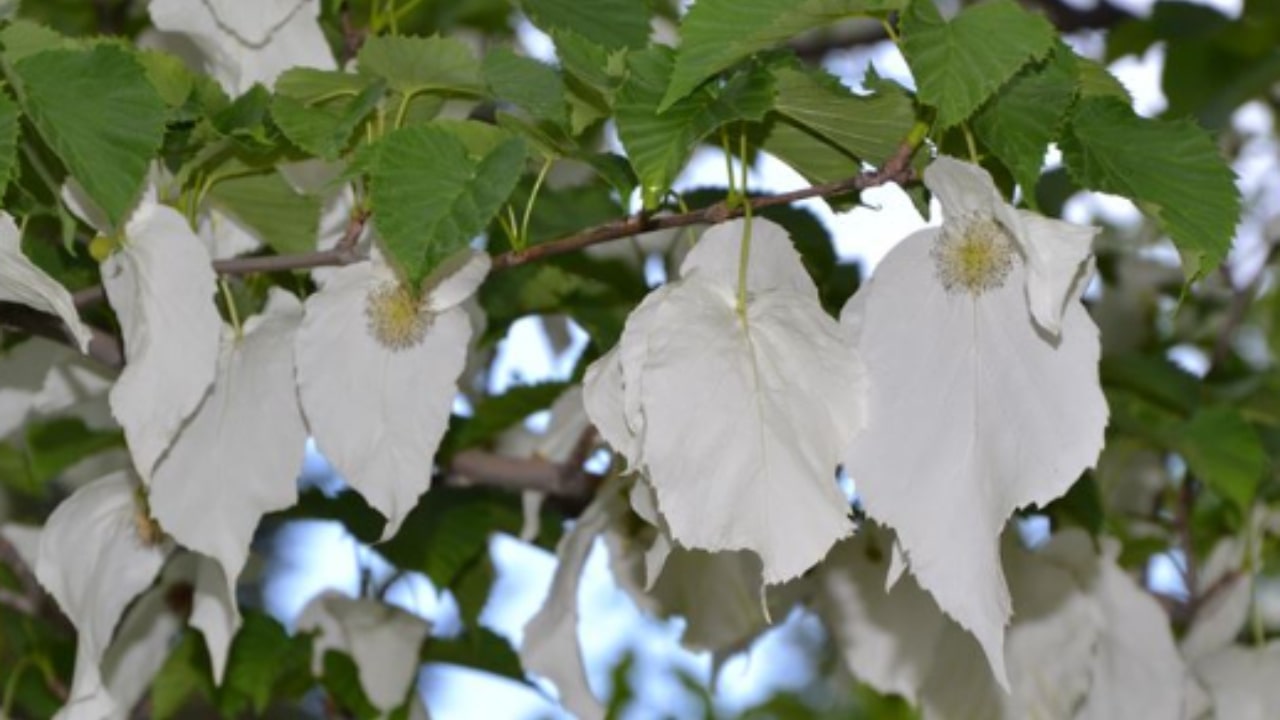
[
  {"x": 161, "y": 286},
  {"x": 377, "y": 377},
  {"x": 1242, "y": 681},
  {"x": 984, "y": 389},
  {"x": 43, "y": 378},
  {"x": 1086, "y": 641},
  {"x": 242, "y": 43},
  {"x": 383, "y": 640},
  {"x": 24, "y": 283},
  {"x": 95, "y": 556},
  {"x": 737, "y": 420},
  {"x": 239, "y": 455},
  {"x": 550, "y": 647}
]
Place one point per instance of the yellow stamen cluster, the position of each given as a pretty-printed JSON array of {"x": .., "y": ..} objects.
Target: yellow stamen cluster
[
  {"x": 397, "y": 318},
  {"x": 973, "y": 254},
  {"x": 149, "y": 531}
]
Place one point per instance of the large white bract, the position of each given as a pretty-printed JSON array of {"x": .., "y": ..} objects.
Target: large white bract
[
  {"x": 97, "y": 552},
  {"x": 736, "y": 413},
  {"x": 983, "y": 368},
  {"x": 378, "y": 370},
  {"x": 160, "y": 284},
  {"x": 242, "y": 43}
]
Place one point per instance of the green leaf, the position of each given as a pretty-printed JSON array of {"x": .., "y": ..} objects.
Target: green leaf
[
  {"x": 185, "y": 674},
  {"x": 171, "y": 79},
  {"x": 325, "y": 129},
  {"x": 449, "y": 529},
  {"x": 265, "y": 663},
  {"x": 530, "y": 85},
  {"x": 819, "y": 160},
  {"x": 867, "y": 127},
  {"x": 1026, "y": 115},
  {"x": 472, "y": 589},
  {"x": 959, "y": 64},
  {"x": 413, "y": 65},
  {"x": 9, "y": 130},
  {"x": 608, "y": 23},
  {"x": 659, "y": 143},
  {"x": 266, "y": 204},
  {"x": 1171, "y": 170},
  {"x": 342, "y": 680},
  {"x": 1094, "y": 80},
  {"x": 497, "y": 413},
  {"x": 55, "y": 445},
  {"x": 479, "y": 648},
  {"x": 23, "y": 38},
  {"x": 1223, "y": 450},
  {"x": 431, "y": 198},
  {"x": 716, "y": 34},
  {"x": 312, "y": 86},
  {"x": 102, "y": 117}
]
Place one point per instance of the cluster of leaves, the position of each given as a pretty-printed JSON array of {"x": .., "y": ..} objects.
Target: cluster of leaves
[{"x": 439, "y": 144}]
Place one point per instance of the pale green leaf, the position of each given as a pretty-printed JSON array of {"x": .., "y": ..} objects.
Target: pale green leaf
[
  {"x": 1096, "y": 81},
  {"x": 324, "y": 129},
  {"x": 608, "y": 23},
  {"x": 1026, "y": 115},
  {"x": 659, "y": 144},
  {"x": 9, "y": 116},
  {"x": 311, "y": 86},
  {"x": 1223, "y": 451},
  {"x": 415, "y": 64},
  {"x": 959, "y": 64},
  {"x": 716, "y": 34},
  {"x": 102, "y": 117},
  {"x": 536, "y": 88},
  {"x": 171, "y": 79},
  {"x": 24, "y": 38},
  {"x": 430, "y": 197},
  {"x": 266, "y": 204},
  {"x": 1172, "y": 170},
  {"x": 868, "y": 127}
]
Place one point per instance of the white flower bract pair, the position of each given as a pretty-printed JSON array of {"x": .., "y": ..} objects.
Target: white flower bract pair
[
  {"x": 736, "y": 414},
  {"x": 378, "y": 369},
  {"x": 984, "y": 392}
]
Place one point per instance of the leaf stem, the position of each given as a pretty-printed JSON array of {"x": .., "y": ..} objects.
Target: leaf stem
[
  {"x": 744, "y": 247},
  {"x": 973, "y": 145},
  {"x": 232, "y": 312},
  {"x": 533, "y": 196}
]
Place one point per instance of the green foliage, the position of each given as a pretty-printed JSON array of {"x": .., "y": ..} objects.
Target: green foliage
[
  {"x": 48, "y": 448},
  {"x": 1223, "y": 451},
  {"x": 98, "y": 111},
  {"x": 527, "y": 83},
  {"x": 267, "y": 205},
  {"x": 431, "y": 196},
  {"x": 1026, "y": 115},
  {"x": 868, "y": 128},
  {"x": 959, "y": 64},
  {"x": 608, "y": 23},
  {"x": 659, "y": 141},
  {"x": 1172, "y": 170},
  {"x": 717, "y": 34},
  {"x": 497, "y": 413}
]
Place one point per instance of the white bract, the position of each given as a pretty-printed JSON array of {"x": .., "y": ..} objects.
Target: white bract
[
  {"x": 378, "y": 370},
  {"x": 984, "y": 388},
  {"x": 383, "y": 640},
  {"x": 241, "y": 43},
  {"x": 160, "y": 283},
  {"x": 43, "y": 379},
  {"x": 98, "y": 551},
  {"x": 736, "y": 414},
  {"x": 238, "y": 456},
  {"x": 1086, "y": 641},
  {"x": 24, "y": 283}
]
